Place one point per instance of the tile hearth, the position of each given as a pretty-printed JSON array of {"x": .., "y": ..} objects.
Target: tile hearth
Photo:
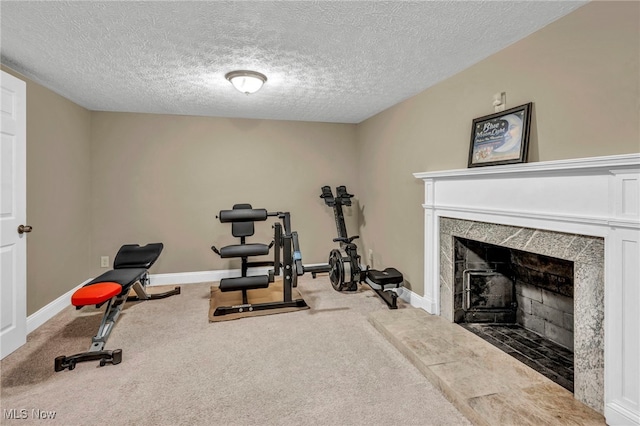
[{"x": 488, "y": 386}]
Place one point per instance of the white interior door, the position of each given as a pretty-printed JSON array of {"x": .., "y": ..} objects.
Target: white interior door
[{"x": 13, "y": 214}]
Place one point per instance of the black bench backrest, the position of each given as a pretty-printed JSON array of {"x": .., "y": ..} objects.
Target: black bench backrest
[
  {"x": 242, "y": 229},
  {"x": 136, "y": 256}
]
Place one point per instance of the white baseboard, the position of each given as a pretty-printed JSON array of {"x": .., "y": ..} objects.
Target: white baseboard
[
  {"x": 206, "y": 276},
  {"x": 617, "y": 415},
  {"x": 414, "y": 299},
  {"x": 49, "y": 311},
  {"x": 182, "y": 278}
]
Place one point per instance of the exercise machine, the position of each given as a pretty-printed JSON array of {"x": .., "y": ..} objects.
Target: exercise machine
[
  {"x": 345, "y": 270},
  {"x": 130, "y": 271},
  {"x": 242, "y": 218}
]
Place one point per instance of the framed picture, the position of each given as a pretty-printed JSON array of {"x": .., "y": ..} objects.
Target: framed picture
[{"x": 501, "y": 138}]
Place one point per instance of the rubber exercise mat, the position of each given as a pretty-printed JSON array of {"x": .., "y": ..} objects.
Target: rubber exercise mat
[{"x": 262, "y": 295}]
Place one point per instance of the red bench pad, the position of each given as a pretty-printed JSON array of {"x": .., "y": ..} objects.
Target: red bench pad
[{"x": 95, "y": 294}]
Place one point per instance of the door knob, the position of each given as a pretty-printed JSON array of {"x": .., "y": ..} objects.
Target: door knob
[{"x": 24, "y": 229}]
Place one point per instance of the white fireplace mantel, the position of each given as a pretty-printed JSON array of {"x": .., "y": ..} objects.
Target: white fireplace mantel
[{"x": 597, "y": 196}]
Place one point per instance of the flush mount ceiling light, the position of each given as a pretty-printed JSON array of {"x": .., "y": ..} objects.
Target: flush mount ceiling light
[{"x": 246, "y": 81}]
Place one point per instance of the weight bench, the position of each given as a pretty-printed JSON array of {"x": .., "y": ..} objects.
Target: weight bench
[
  {"x": 242, "y": 218},
  {"x": 130, "y": 271}
]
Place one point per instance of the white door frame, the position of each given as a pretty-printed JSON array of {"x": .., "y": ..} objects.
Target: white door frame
[{"x": 13, "y": 213}]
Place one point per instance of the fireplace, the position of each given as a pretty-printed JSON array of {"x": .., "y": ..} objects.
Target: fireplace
[
  {"x": 585, "y": 212},
  {"x": 519, "y": 301}
]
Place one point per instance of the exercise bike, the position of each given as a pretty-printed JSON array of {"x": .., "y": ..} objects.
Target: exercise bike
[{"x": 345, "y": 271}]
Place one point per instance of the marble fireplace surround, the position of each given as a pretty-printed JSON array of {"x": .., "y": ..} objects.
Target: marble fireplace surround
[
  {"x": 584, "y": 210},
  {"x": 587, "y": 255}
]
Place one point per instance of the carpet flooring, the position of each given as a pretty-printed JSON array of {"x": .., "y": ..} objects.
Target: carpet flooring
[{"x": 326, "y": 365}]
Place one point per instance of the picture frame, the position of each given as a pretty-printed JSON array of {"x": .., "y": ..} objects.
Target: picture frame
[{"x": 501, "y": 138}]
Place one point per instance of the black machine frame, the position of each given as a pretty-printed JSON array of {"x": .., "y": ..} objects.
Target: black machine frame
[
  {"x": 286, "y": 257},
  {"x": 345, "y": 269}
]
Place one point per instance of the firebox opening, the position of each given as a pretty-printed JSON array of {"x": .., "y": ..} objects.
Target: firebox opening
[{"x": 520, "y": 302}]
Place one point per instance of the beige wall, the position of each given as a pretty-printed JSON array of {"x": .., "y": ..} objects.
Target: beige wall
[
  {"x": 58, "y": 194},
  {"x": 582, "y": 74},
  {"x": 97, "y": 180},
  {"x": 165, "y": 178}
]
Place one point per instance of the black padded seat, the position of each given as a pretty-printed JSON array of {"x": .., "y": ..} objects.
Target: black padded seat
[
  {"x": 244, "y": 250},
  {"x": 136, "y": 256},
  {"x": 125, "y": 277},
  {"x": 389, "y": 277},
  {"x": 244, "y": 283}
]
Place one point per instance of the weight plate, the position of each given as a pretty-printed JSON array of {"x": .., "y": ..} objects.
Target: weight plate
[
  {"x": 294, "y": 277},
  {"x": 336, "y": 273}
]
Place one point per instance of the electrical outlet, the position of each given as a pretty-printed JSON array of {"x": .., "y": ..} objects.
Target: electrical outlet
[
  {"x": 104, "y": 261},
  {"x": 371, "y": 257}
]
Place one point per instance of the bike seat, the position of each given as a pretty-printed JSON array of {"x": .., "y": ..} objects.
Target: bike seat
[{"x": 390, "y": 277}]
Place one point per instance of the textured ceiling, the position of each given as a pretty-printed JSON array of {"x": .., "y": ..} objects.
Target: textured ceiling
[{"x": 331, "y": 61}]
